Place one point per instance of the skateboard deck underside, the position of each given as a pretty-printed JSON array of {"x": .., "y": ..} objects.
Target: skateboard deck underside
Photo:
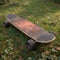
[{"x": 32, "y": 30}]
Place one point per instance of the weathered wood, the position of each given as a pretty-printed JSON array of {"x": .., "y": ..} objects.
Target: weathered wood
[{"x": 32, "y": 30}]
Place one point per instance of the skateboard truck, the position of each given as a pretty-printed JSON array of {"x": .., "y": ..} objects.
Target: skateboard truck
[{"x": 6, "y": 24}]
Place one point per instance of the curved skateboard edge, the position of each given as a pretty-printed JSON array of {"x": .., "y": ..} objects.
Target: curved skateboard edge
[
  {"x": 47, "y": 41},
  {"x": 11, "y": 16}
]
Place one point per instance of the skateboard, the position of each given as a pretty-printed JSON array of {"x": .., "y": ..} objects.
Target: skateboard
[{"x": 35, "y": 32}]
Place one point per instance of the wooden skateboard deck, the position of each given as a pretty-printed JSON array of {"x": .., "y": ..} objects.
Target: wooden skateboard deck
[{"x": 30, "y": 29}]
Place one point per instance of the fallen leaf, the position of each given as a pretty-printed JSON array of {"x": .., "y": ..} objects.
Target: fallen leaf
[
  {"x": 20, "y": 58},
  {"x": 58, "y": 48},
  {"x": 54, "y": 50},
  {"x": 46, "y": 52},
  {"x": 29, "y": 58}
]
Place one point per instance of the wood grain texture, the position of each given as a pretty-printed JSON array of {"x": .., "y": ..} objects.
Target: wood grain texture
[{"x": 30, "y": 29}]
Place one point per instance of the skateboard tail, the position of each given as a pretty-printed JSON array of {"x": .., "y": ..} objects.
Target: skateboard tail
[
  {"x": 48, "y": 40},
  {"x": 11, "y": 16}
]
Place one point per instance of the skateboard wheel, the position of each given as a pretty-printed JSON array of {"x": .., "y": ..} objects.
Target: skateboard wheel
[
  {"x": 6, "y": 24},
  {"x": 31, "y": 45}
]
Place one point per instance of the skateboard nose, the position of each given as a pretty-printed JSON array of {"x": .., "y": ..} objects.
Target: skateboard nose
[{"x": 11, "y": 16}]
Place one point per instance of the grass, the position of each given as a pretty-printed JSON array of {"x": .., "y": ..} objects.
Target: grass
[{"x": 12, "y": 42}]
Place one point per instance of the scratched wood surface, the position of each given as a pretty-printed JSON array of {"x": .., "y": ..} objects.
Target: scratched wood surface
[{"x": 30, "y": 29}]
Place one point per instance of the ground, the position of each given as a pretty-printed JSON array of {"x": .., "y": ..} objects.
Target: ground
[{"x": 13, "y": 42}]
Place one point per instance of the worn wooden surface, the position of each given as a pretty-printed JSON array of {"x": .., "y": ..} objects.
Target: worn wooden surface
[{"x": 32, "y": 30}]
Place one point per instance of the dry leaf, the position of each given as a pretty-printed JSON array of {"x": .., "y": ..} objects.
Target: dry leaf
[
  {"x": 58, "y": 48},
  {"x": 20, "y": 58}
]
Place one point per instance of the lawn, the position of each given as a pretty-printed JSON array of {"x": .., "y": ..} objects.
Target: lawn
[{"x": 13, "y": 42}]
